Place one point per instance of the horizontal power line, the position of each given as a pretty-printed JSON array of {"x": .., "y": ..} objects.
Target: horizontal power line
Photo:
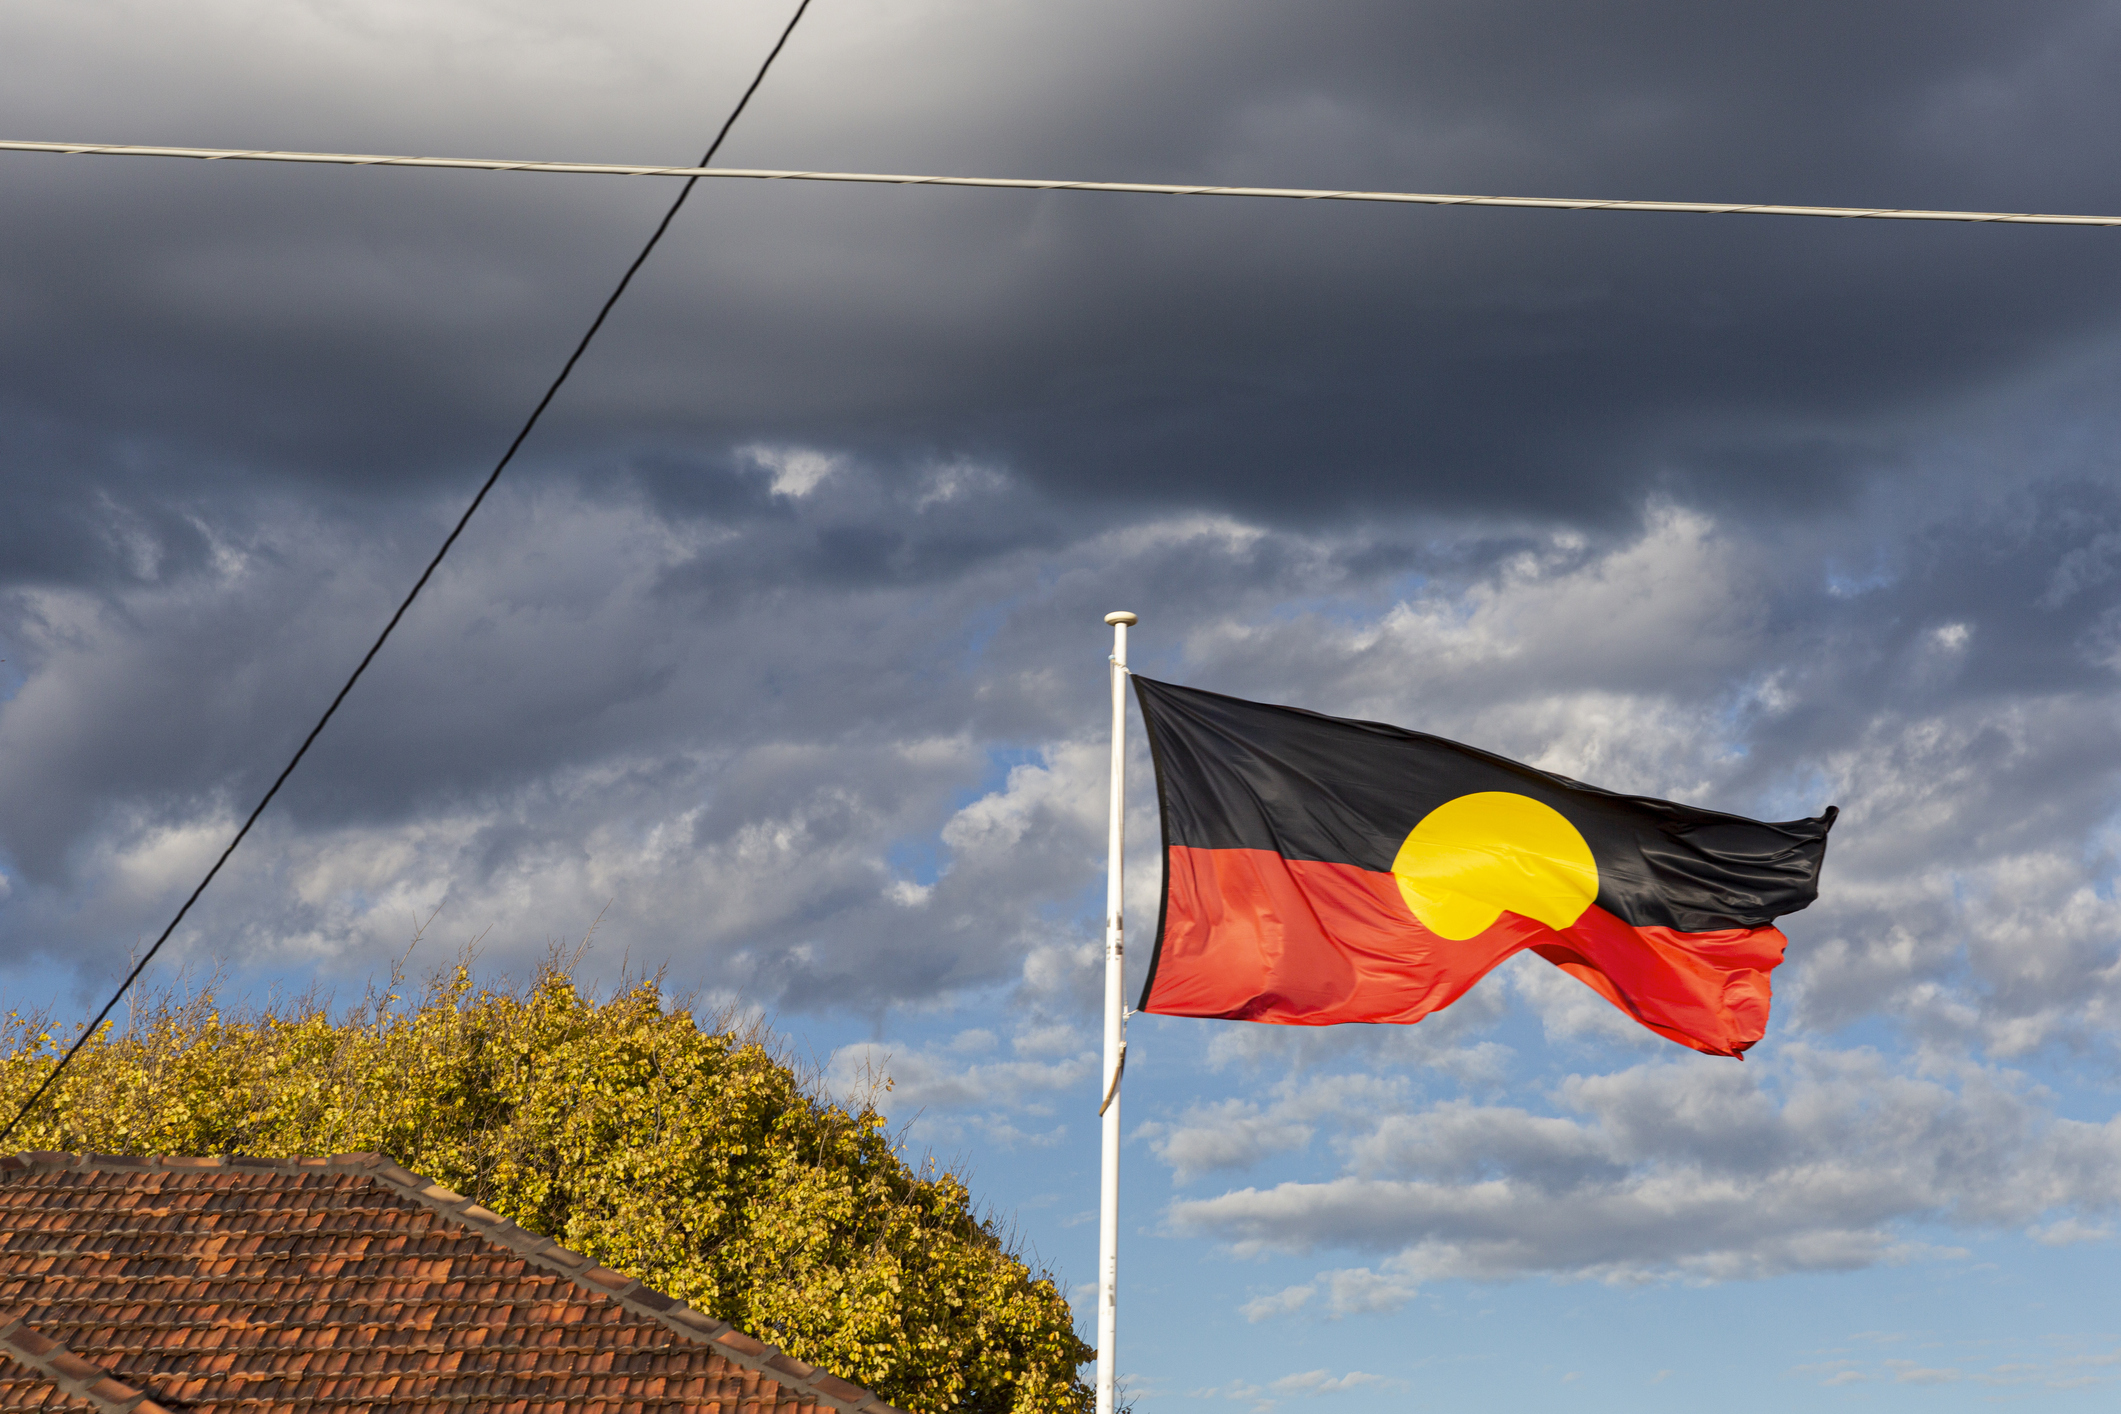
[{"x": 1405, "y": 198}]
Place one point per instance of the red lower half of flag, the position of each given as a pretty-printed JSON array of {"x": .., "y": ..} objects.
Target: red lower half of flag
[{"x": 1251, "y": 936}]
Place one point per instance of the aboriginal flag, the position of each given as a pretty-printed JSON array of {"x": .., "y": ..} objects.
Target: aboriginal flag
[{"x": 1319, "y": 870}]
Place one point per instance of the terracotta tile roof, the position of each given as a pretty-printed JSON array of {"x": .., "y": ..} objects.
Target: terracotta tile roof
[{"x": 344, "y": 1284}]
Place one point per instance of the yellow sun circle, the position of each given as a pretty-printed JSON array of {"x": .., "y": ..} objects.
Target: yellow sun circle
[{"x": 1473, "y": 857}]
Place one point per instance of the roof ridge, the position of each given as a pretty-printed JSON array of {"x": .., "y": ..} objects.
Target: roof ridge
[
  {"x": 639, "y": 1299},
  {"x": 74, "y": 1375}
]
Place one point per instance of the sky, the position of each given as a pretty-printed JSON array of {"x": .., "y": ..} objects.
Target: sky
[{"x": 778, "y": 656}]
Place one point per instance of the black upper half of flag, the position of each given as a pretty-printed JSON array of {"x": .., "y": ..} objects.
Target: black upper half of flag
[{"x": 1233, "y": 774}]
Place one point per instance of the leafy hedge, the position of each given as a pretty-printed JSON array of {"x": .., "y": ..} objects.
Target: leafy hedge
[{"x": 695, "y": 1159}]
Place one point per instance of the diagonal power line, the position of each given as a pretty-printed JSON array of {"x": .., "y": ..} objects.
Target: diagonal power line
[
  {"x": 500, "y": 466},
  {"x": 1398, "y": 198}
]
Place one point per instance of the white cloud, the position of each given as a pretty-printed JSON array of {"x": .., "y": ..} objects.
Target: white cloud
[
  {"x": 1444, "y": 1044},
  {"x": 1308, "y": 1383},
  {"x": 1285, "y": 1302},
  {"x": 794, "y": 471},
  {"x": 1229, "y": 1134},
  {"x": 1691, "y": 1169},
  {"x": 1963, "y": 893},
  {"x": 1239, "y": 1133},
  {"x": 1048, "y": 1039},
  {"x": 1359, "y": 1291},
  {"x": 2067, "y": 1232},
  {"x": 1677, "y": 608},
  {"x": 907, "y": 894},
  {"x": 957, "y": 1085},
  {"x": 1324, "y": 1382},
  {"x": 944, "y": 1080},
  {"x": 1907, "y": 1372}
]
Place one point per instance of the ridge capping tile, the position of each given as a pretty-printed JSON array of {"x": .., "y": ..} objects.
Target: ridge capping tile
[
  {"x": 72, "y": 1366},
  {"x": 391, "y": 1172},
  {"x": 695, "y": 1320},
  {"x": 112, "y": 1390},
  {"x": 18, "y": 1335},
  {"x": 73, "y": 1375},
  {"x": 840, "y": 1389},
  {"x": 572, "y": 1262}
]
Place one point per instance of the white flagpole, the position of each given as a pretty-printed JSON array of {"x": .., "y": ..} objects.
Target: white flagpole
[{"x": 1115, "y": 1028}]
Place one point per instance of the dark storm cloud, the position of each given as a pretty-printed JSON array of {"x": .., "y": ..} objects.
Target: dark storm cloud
[
  {"x": 186, "y": 332},
  {"x": 790, "y": 567}
]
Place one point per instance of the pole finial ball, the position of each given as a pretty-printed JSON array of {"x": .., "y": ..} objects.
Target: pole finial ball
[{"x": 1121, "y": 616}]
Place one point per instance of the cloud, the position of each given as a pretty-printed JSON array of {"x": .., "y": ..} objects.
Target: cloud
[
  {"x": 1907, "y": 1372},
  {"x": 239, "y": 329},
  {"x": 1992, "y": 1361},
  {"x": 1324, "y": 1382},
  {"x": 1307, "y": 1382},
  {"x": 567, "y": 766},
  {"x": 1239, "y": 1134},
  {"x": 2068, "y": 1232},
  {"x": 942, "y": 1091},
  {"x": 1360, "y": 1291},
  {"x": 1685, "y": 1170},
  {"x": 1229, "y": 1134},
  {"x": 924, "y": 1079},
  {"x": 1443, "y": 1043},
  {"x": 793, "y": 471},
  {"x": 830, "y": 815},
  {"x": 603, "y": 743},
  {"x": 1287, "y": 1301}
]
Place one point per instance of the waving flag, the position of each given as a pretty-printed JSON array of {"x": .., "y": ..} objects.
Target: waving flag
[{"x": 1319, "y": 870}]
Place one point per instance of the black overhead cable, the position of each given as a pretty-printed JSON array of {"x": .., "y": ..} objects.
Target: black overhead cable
[{"x": 425, "y": 575}]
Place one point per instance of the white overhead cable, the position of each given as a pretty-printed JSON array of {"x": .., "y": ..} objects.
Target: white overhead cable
[{"x": 1407, "y": 198}]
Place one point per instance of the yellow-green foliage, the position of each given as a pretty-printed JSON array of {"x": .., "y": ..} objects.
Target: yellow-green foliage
[{"x": 692, "y": 1158}]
